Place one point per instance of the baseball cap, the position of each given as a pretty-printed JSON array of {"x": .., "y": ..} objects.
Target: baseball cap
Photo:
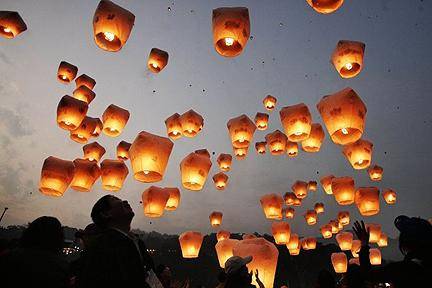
[{"x": 234, "y": 263}]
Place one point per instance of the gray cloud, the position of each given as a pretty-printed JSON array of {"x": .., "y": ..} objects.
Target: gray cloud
[{"x": 14, "y": 123}]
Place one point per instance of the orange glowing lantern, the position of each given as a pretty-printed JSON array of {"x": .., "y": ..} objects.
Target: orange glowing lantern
[
  {"x": 311, "y": 217},
  {"x": 292, "y": 149},
  {"x": 297, "y": 122},
  {"x": 224, "y": 250},
  {"x": 56, "y": 175},
  {"x": 293, "y": 242},
  {"x": 389, "y": 196},
  {"x": 344, "y": 218},
  {"x": 93, "y": 151},
  {"x": 277, "y": 142},
  {"x": 70, "y": 112},
  {"x": 325, "y": 6},
  {"x": 11, "y": 24},
  {"x": 174, "y": 198},
  {"x": 347, "y": 58},
  {"x": 98, "y": 129},
  {"x": 222, "y": 235},
  {"x": 281, "y": 232},
  {"x": 300, "y": 189},
  {"x": 114, "y": 120},
  {"x": 191, "y": 123},
  {"x": 84, "y": 131},
  {"x": 85, "y": 80},
  {"x": 173, "y": 125},
  {"x": 157, "y": 61},
  {"x": 113, "y": 174},
  {"x": 343, "y": 190},
  {"x": 123, "y": 150},
  {"x": 312, "y": 186},
  {"x": 289, "y": 212},
  {"x": 289, "y": 198},
  {"x": 355, "y": 248},
  {"x": 260, "y": 147},
  {"x": 367, "y": 200},
  {"x": 240, "y": 153},
  {"x": 308, "y": 243},
  {"x": 294, "y": 252},
  {"x": 154, "y": 201},
  {"x": 269, "y": 102},
  {"x": 220, "y": 179},
  {"x": 224, "y": 161},
  {"x": 194, "y": 169},
  {"x": 112, "y": 26},
  {"x": 326, "y": 183},
  {"x": 344, "y": 240},
  {"x": 383, "y": 241},
  {"x": 86, "y": 174},
  {"x": 319, "y": 208},
  {"x": 241, "y": 130},
  {"x": 83, "y": 93},
  {"x": 374, "y": 232},
  {"x": 335, "y": 226},
  {"x": 326, "y": 231},
  {"x": 315, "y": 140},
  {"x": 375, "y": 256},
  {"x": 359, "y": 153},
  {"x": 66, "y": 72},
  {"x": 190, "y": 243},
  {"x": 340, "y": 262},
  {"x": 272, "y": 206},
  {"x": 261, "y": 121},
  {"x": 375, "y": 173},
  {"x": 297, "y": 202}
]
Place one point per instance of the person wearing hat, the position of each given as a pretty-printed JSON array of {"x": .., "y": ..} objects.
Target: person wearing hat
[
  {"x": 237, "y": 274},
  {"x": 415, "y": 243}
]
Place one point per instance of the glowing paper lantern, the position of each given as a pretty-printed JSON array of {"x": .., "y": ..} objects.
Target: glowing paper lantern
[
  {"x": 154, "y": 201},
  {"x": 297, "y": 202},
  {"x": 375, "y": 256},
  {"x": 347, "y": 58},
  {"x": 220, "y": 179},
  {"x": 173, "y": 125},
  {"x": 222, "y": 235},
  {"x": 260, "y": 147},
  {"x": 231, "y": 30},
  {"x": 112, "y": 26},
  {"x": 269, "y": 102},
  {"x": 276, "y": 142},
  {"x": 375, "y": 173},
  {"x": 311, "y": 217},
  {"x": 190, "y": 243},
  {"x": 367, "y": 200},
  {"x": 383, "y": 241},
  {"x": 312, "y": 186},
  {"x": 294, "y": 252},
  {"x": 389, "y": 196},
  {"x": 344, "y": 240},
  {"x": 319, "y": 208},
  {"x": 289, "y": 198},
  {"x": 289, "y": 212},
  {"x": 66, "y": 72},
  {"x": 344, "y": 218},
  {"x": 281, "y": 232},
  {"x": 83, "y": 93},
  {"x": 326, "y": 231},
  {"x": 343, "y": 190},
  {"x": 293, "y": 242},
  {"x": 113, "y": 174},
  {"x": 224, "y": 161},
  {"x": 123, "y": 150},
  {"x": 335, "y": 226},
  {"x": 344, "y": 115},
  {"x": 272, "y": 206},
  {"x": 355, "y": 248},
  {"x": 194, "y": 169},
  {"x": 325, "y": 6},
  {"x": 191, "y": 123},
  {"x": 70, "y": 112},
  {"x": 314, "y": 142},
  {"x": 11, "y": 24},
  {"x": 85, "y": 80},
  {"x": 84, "y": 131},
  {"x": 56, "y": 175},
  {"x": 300, "y": 189},
  {"x": 241, "y": 130},
  {"x": 359, "y": 153},
  {"x": 216, "y": 218},
  {"x": 174, "y": 198},
  {"x": 93, "y": 151},
  {"x": 114, "y": 120},
  {"x": 157, "y": 61},
  {"x": 149, "y": 156},
  {"x": 308, "y": 243},
  {"x": 374, "y": 232},
  {"x": 86, "y": 174},
  {"x": 240, "y": 153},
  {"x": 326, "y": 183},
  {"x": 297, "y": 122},
  {"x": 224, "y": 250},
  {"x": 261, "y": 121},
  {"x": 340, "y": 262},
  {"x": 98, "y": 129},
  {"x": 292, "y": 149}
]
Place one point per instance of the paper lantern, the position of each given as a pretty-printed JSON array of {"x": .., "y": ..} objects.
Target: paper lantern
[
  {"x": 375, "y": 173},
  {"x": 264, "y": 258},
  {"x": 224, "y": 250},
  {"x": 157, "y": 61},
  {"x": 194, "y": 169},
  {"x": 325, "y": 6},
  {"x": 86, "y": 174},
  {"x": 85, "y": 80},
  {"x": 292, "y": 149},
  {"x": 190, "y": 243},
  {"x": 389, "y": 196},
  {"x": 84, "y": 131},
  {"x": 241, "y": 130},
  {"x": 374, "y": 232},
  {"x": 308, "y": 243},
  {"x": 297, "y": 122},
  {"x": 261, "y": 121},
  {"x": 83, "y": 93},
  {"x": 300, "y": 189},
  {"x": 272, "y": 206},
  {"x": 66, "y": 72},
  {"x": 11, "y": 24},
  {"x": 319, "y": 208},
  {"x": 311, "y": 217},
  {"x": 114, "y": 120},
  {"x": 347, "y": 58},
  {"x": 56, "y": 175},
  {"x": 281, "y": 232},
  {"x": 383, "y": 240},
  {"x": 359, "y": 153},
  {"x": 220, "y": 179},
  {"x": 191, "y": 123},
  {"x": 289, "y": 198},
  {"x": 149, "y": 155},
  {"x": 222, "y": 235},
  {"x": 375, "y": 256},
  {"x": 98, "y": 129},
  {"x": 260, "y": 147},
  {"x": 277, "y": 142},
  {"x": 297, "y": 202},
  {"x": 367, "y": 200},
  {"x": 293, "y": 242},
  {"x": 113, "y": 174},
  {"x": 326, "y": 231},
  {"x": 173, "y": 125},
  {"x": 335, "y": 226},
  {"x": 344, "y": 240},
  {"x": 70, "y": 112},
  {"x": 326, "y": 183},
  {"x": 289, "y": 212},
  {"x": 340, "y": 262},
  {"x": 231, "y": 30},
  {"x": 269, "y": 102},
  {"x": 112, "y": 26},
  {"x": 224, "y": 161},
  {"x": 294, "y": 252},
  {"x": 174, "y": 198},
  {"x": 123, "y": 150},
  {"x": 344, "y": 218},
  {"x": 314, "y": 142},
  {"x": 344, "y": 115},
  {"x": 355, "y": 248},
  {"x": 154, "y": 201},
  {"x": 312, "y": 186},
  {"x": 343, "y": 190},
  {"x": 93, "y": 151},
  {"x": 216, "y": 218},
  {"x": 354, "y": 261},
  {"x": 240, "y": 153}
]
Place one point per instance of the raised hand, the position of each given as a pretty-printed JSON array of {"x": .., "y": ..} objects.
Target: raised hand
[{"x": 361, "y": 232}]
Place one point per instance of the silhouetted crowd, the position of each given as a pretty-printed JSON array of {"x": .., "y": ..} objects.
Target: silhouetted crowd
[{"x": 113, "y": 256}]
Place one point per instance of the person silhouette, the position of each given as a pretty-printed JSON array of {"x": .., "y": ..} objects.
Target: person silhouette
[{"x": 237, "y": 275}]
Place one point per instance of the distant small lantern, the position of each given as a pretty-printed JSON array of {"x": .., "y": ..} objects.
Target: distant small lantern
[
  {"x": 11, "y": 24},
  {"x": 289, "y": 212},
  {"x": 325, "y": 6},
  {"x": 261, "y": 121},
  {"x": 231, "y": 30},
  {"x": 340, "y": 262},
  {"x": 374, "y": 232},
  {"x": 355, "y": 248},
  {"x": 289, "y": 198},
  {"x": 359, "y": 154},
  {"x": 344, "y": 240},
  {"x": 112, "y": 26},
  {"x": 315, "y": 140},
  {"x": 319, "y": 208},
  {"x": 86, "y": 174},
  {"x": 297, "y": 122},
  {"x": 113, "y": 174},
  {"x": 224, "y": 161},
  {"x": 70, "y": 112},
  {"x": 293, "y": 242},
  {"x": 93, "y": 151},
  {"x": 224, "y": 250},
  {"x": 56, "y": 175},
  {"x": 344, "y": 217},
  {"x": 66, "y": 72},
  {"x": 367, "y": 200},
  {"x": 311, "y": 217},
  {"x": 173, "y": 125},
  {"x": 194, "y": 169},
  {"x": 220, "y": 179},
  {"x": 292, "y": 149},
  {"x": 277, "y": 142},
  {"x": 149, "y": 155},
  {"x": 312, "y": 186},
  {"x": 241, "y": 130},
  {"x": 114, "y": 120},
  {"x": 326, "y": 231},
  {"x": 297, "y": 202},
  {"x": 85, "y": 94},
  {"x": 85, "y": 80},
  {"x": 222, "y": 235},
  {"x": 335, "y": 226},
  {"x": 157, "y": 60},
  {"x": 174, "y": 198},
  {"x": 389, "y": 196},
  {"x": 260, "y": 147},
  {"x": 269, "y": 102},
  {"x": 154, "y": 201},
  {"x": 347, "y": 58},
  {"x": 84, "y": 131},
  {"x": 300, "y": 189},
  {"x": 383, "y": 241},
  {"x": 308, "y": 243},
  {"x": 375, "y": 173},
  {"x": 272, "y": 206},
  {"x": 343, "y": 190},
  {"x": 190, "y": 243},
  {"x": 191, "y": 123},
  {"x": 123, "y": 150},
  {"x": 344, "y": 115},
  {"x": 240, "y": 153},
  {"x": 281, "y": 232},
  {"x": 326, "y": 183},
  {"x": 375, "y": 256}
]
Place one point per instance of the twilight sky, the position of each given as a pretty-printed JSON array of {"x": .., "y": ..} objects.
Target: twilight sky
[{"x": 288, "y": 57}]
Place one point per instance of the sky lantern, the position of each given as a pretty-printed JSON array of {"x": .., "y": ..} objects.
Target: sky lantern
[
  {"x": 344, "y": 115},
  {"x": 343, "y": 190},
  {"x": 222, "y": 235},
  {"x": 190, "y": 243},
  {"x": 11, "y": 24},
  {"x": 326, "y": 183},
  {"x": 66, "y": 72},
  {"x": 389, "y": 196},
  {"x": 123, "y": 150},
  {"x": 173, "y": 125},
  {"x": 215, "y": 218},
  {"x": 375, "y": 173},
  {"x": 293, "y": 242},
  {"x": 174, "y": 198},
  {"x": 93, "y": 151},
  {"x": 289, "y": 198},
  {"x": 355, "y": 248},
  {"x": 383, "y": 240},
  {"x": 99, "y": 127},
  {"x": 335, "y": 226},
  {"x": 231, "y": 30},
  {"x": 276, "y": 142},
  {"x": 149, "y": 155},
  {"x": 194, "y": 169},
  {"x": 344, "y": 217},
  {"x": 367, "y": 200},
  {"x": 224, "y": 250},
  {"x": 264, "y": 258},
  {"x": 312, "y": 186},
  {"x": 84, "y": 131},
  {"x": 315, "y": 140},
  {"x": 85, "y": 80},
  {"x": 224, "y": 161},
  {"x": 374, "y": 232},
  {"x": 113, "y": 174},
  {"x": 375, "y": 256},
  {"x": 347, "y": 58},
  {"x": 344, "y": 240},
  {"x": 311, "y": 217},
  {"x": 294, "y": 252},
  {"x": 220, "y": 179},
  {"x": 297, "y": 122},
  {"x": 269, "y": 102},
  {"x": 308, "y": 243},
  {"x": 281, "y": 232},
  {"x": 261, "y": 121},
  {"x": 340, "y": 262},
  {"x": 114, "y": 120},
  {"x": 292, "y": 149},
  {"x": 241, "y": 130},
  {"x": 272, "y": 206},
  {"x": 319, "y": 208},
  {"x": 112, "y": 26},
  {"x": 56, "y": 175},
  {"x": 325, "y": 6},
  {"x": 240, "y": 153},
  {"x": 154, "y": 201},
  {"x": 83, "y": 93},
  {"x": 86, "y": 174},
  {"x": 191, "y": 123},
  {"x": 70, "y": 112},
  {"x": 260, "y": 147},
  {"x": 297, "y": 202},
  {"x": 289, "y": 212},
  {"x": 157, "y": 60},
  {"x": 326, "y": 231},
  {"x": 359, "y": 154},
  {"x": 300, "y": 189}
]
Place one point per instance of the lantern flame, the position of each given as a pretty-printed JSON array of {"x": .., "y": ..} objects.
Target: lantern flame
[
  {"x": 109, "y": 36},
  {"x": 344, "y": 131},
  {"x": 229, "y": 41},
  {"x": 348, "y": 66},
  {"x": 7, "y": 30}
]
